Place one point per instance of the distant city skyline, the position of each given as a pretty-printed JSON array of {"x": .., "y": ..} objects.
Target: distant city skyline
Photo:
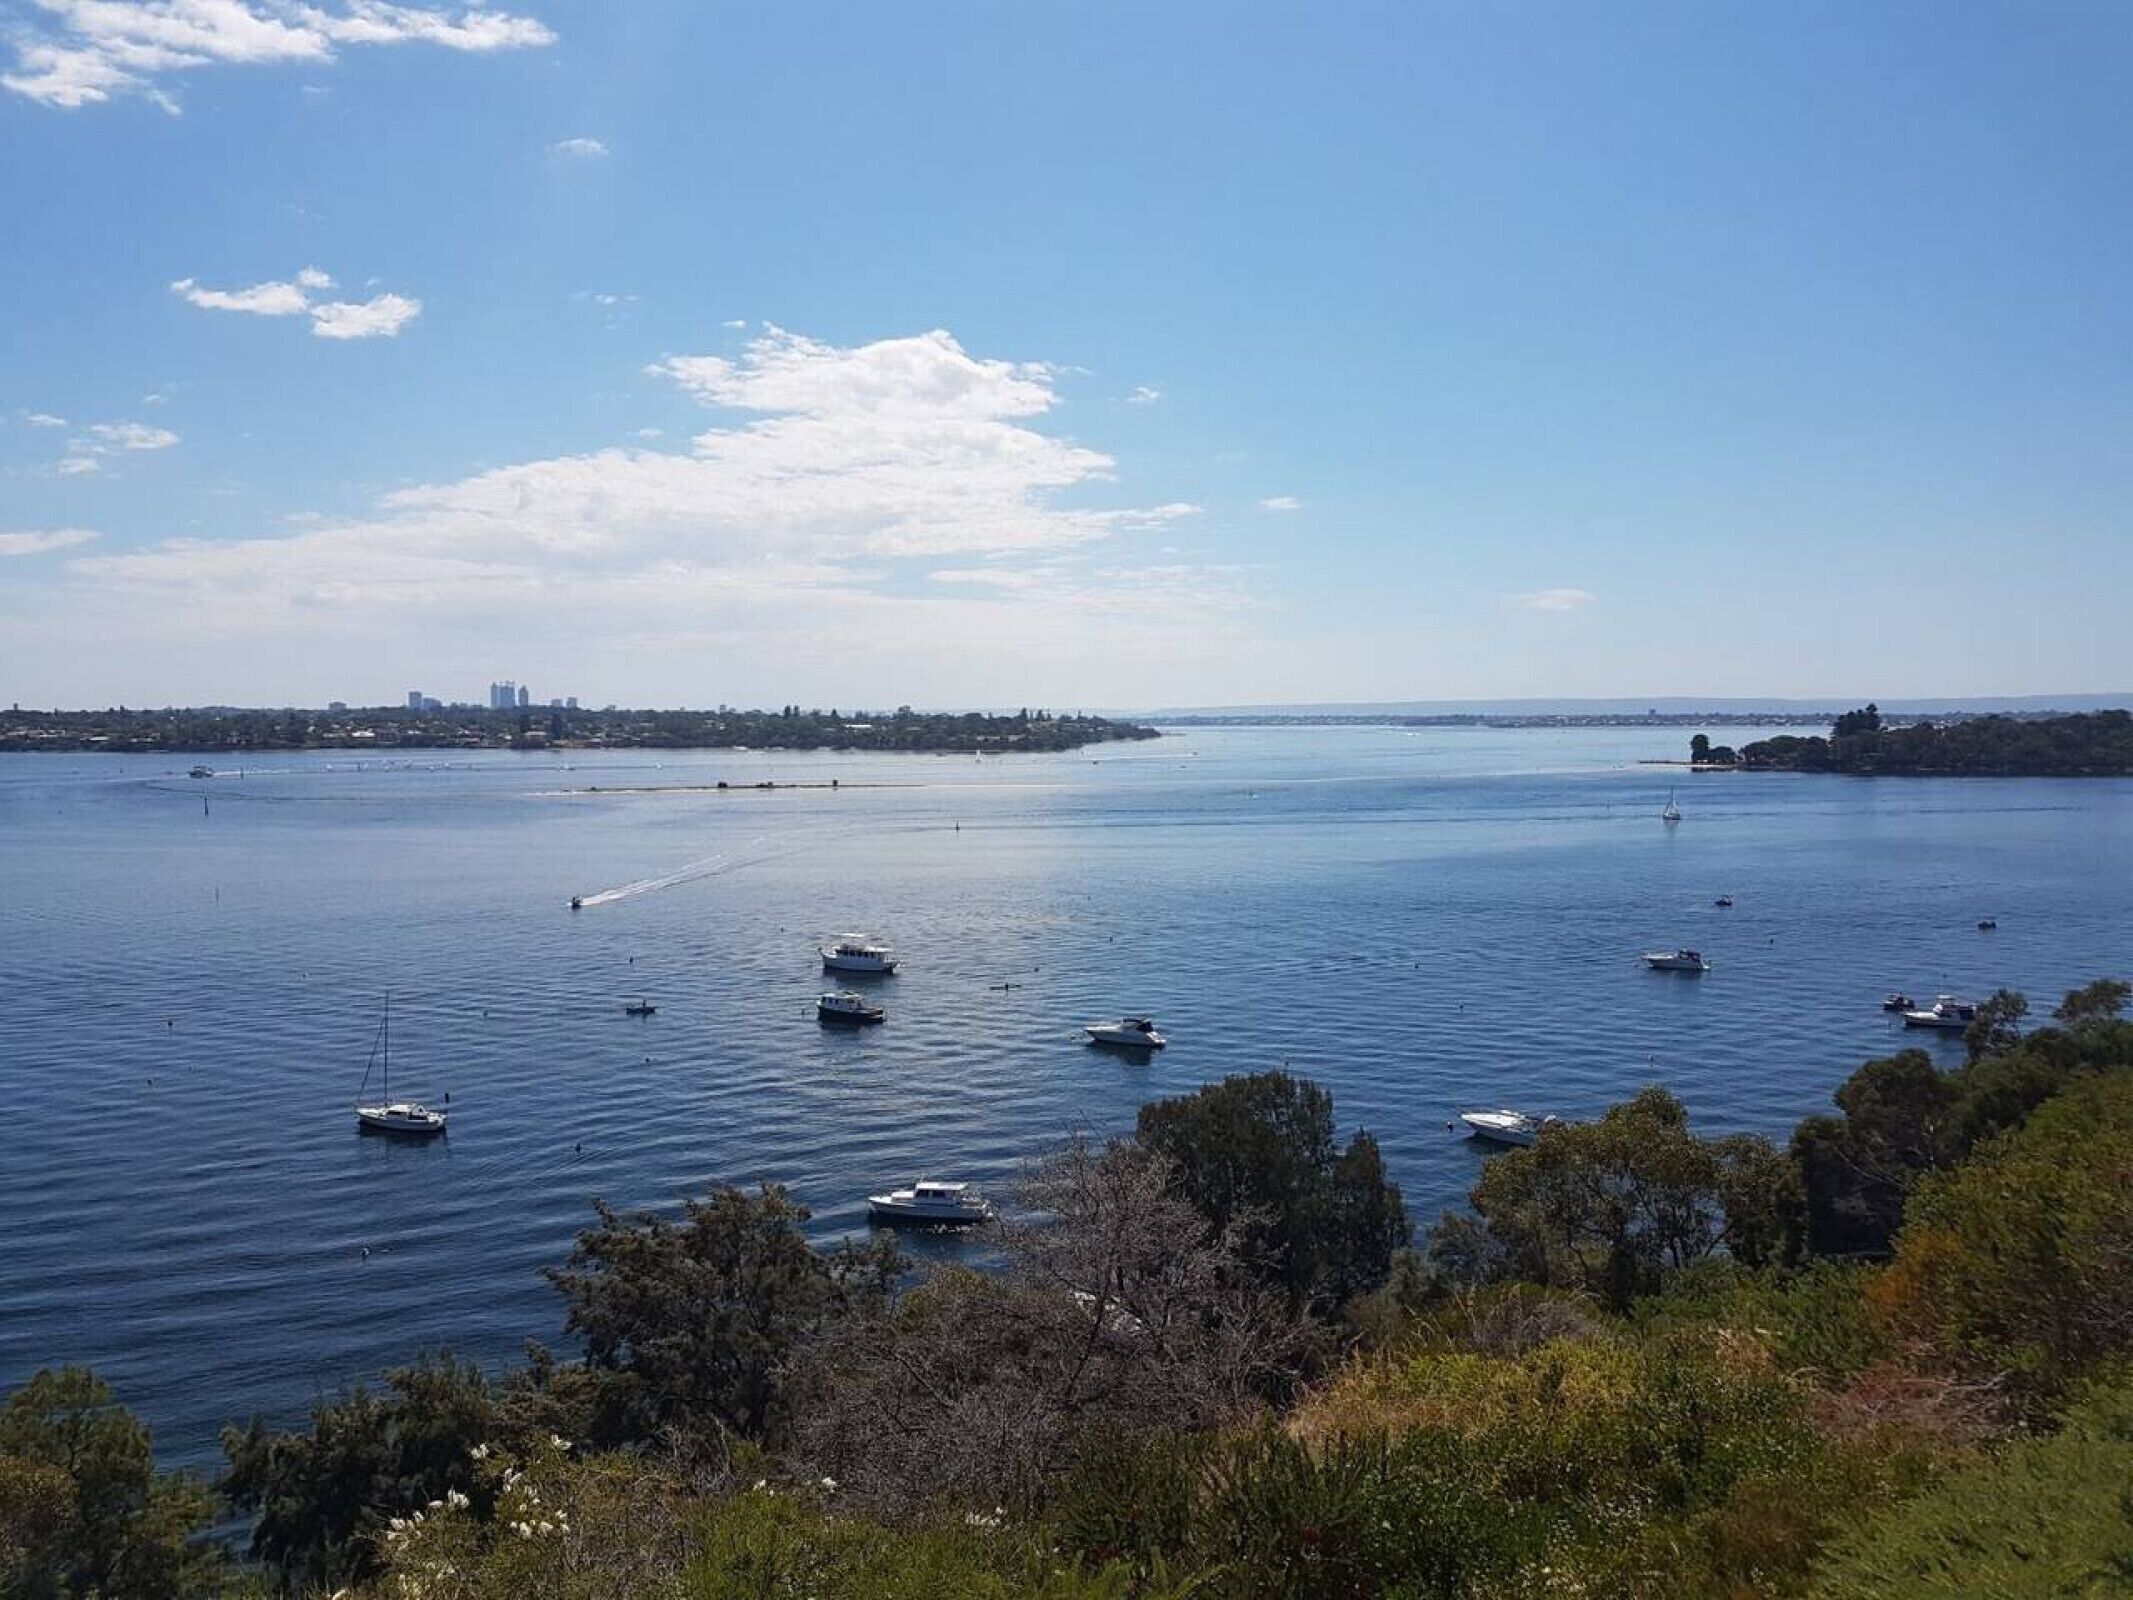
[{"x": 1108, "y": 355}]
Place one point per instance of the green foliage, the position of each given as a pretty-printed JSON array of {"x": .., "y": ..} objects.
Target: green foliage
[
  {"x": 2049, "y": 1519},
  {"x": 2090, "y": 744},
  {"x": 83, "y": 1512},
  {"x": 1815, "y": 1320},
  {"x": 1903, "y": 1117},
  {"x": 322, "y": 1497},
  {"x": 1259, "y": 1152},
  {"x": 1612, "y": 1207},
  {"x": 2020, "y": 1261},
  {"x": 689, "y": 1326}
]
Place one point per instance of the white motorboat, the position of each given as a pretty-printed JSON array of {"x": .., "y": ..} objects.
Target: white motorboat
[
  {"x": 1945, "y": 1012},
  {"x": 1127, "y": 1033},
  {"x": 848, "y": 1007},
  {"x": 1676, "y": 961},
  {"x": 935, "y": 1204},
  {"x": 857, "y": 955},
  {"x": 387, "y": 1115},
  {"x": 1506, "y": 1127}
]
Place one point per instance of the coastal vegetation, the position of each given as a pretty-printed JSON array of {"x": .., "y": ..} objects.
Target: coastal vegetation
[
  {"x": 1892, "y": 1357},
  {"x": 2090, "y": 744},
  {"x": 222, "y": 730}
]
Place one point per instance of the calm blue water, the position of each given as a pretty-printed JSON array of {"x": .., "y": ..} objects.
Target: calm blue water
[{"x": 1425, "y": 922}]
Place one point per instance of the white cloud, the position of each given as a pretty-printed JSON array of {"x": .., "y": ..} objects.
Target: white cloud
[
  {"x": 1144, "y": 396},
  {"x": 851, "y": 476},
  {"x": 734, "y": 322},
  {"x": 36, "y": 544},
  {"x": 382, "y": 316},
  {"x": 583, "y": 147},
  {"x": 1552, "y": 599},
  {"x": 43, "y": 419},
  {"x": 261, "y": 300},
  {"x": 131, "y": 436},
  {"x": 1281, "y": 502},
  {"x": 79, "y": 466},
  {"x": 651, "y": 433},
  {"x": 84, "y": 52}
]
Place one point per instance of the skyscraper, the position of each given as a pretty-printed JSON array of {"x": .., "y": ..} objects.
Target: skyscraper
[
  {"x": 525, "y": 697},
  {"x": 503, "y": 696},
  {"x": 414, "y": 699}
]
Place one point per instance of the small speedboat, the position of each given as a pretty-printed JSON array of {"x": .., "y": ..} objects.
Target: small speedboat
[
  {"x": 1676, "y": 961},
  {"x": 577, "y": 902},
  {"x": 1127, "y": 1033},
  {"x": 1986, "y": 925},
  {"x": 858, "y": 955},
  {"x": 1724, "y": 902},
  {"x": 1898, "y": 1001},
  {"x": 639, "y": 1008},
  {"x": 932, "y": 1204},
  {"x": 1945, "y": 1012},
  {"x": 201, "y": 772},
  {"x": 848, "y": 1007},
  {"x": 1506, "y": 1127}
]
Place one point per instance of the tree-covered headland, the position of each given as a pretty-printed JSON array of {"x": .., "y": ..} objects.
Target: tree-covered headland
[
  {"x": 1890, "y": 1357},
  {"x": 2086, "y": 745},
  {"x": 228, "y": 731}
]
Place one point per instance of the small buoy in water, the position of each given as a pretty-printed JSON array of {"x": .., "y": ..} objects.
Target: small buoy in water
[{"x": 366, "y": 1252}]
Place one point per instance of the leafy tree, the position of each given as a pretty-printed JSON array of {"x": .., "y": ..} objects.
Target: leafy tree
[
  {"x": 323, "y": 1496},
  {"x": 1700, "y": 749},
  {"x": 1851, "y": 724},
  {"x": 83, "y": 1511},
  {"x": 1899, "y": 1117},
  {"x": 1259, "y": 1151},
  {"x": 688, "y": 1326},
  {"x": 1616, "y": 1205},
  {"x": 2019, "y": 1262},
  {"x": 1998, "y": 1026},
  {"x": 2100, "y": 1002}
]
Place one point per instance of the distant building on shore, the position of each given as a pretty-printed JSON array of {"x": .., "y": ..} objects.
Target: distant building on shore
[
  {"x": 503, "y": 696},
  {"x": 414, "y": 699},
  {"x": 525, "y": 697}
]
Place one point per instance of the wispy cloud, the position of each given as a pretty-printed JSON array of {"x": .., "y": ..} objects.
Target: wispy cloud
[
  {"x": 734, "y": 322},
  {"x": 851, "y": 476},
  {"x": 43, "y": 419},
  {"x": 1552, "y": 599},
  {"x": 581, "y": 147},
  {"x": 37, "y": 544},
  {"x": 78, "y": 466},
  {"x": 85, "y": 52},
  {"x": 1281, "y": 502},
  {"x": 129, "y": 436},
  {"x": 381, "y": 316},
  {"x": 1144, "y": 396}
]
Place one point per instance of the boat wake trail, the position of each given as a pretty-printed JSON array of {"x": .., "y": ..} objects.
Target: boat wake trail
[{"x": 710, "y": 866}]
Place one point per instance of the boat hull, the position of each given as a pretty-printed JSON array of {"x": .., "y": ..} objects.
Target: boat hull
[
  {"x": 901, "y": 1215},
  {"x": 1926, "y": 1019},
  {"x": 397, "y": 1125},
  {"x": 849, "y": 1019},
  {"x": 1493, "y": 1132},
  {"x": 865, "y": 966},
  {"x": 1138, "y": 1043}
]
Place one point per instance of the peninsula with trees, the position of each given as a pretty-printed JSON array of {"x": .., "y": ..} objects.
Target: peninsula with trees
[
  {"x": 226, "y": 730},
  {"x": 2095, "y": 744}
]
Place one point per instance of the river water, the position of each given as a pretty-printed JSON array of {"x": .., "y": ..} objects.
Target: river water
[{"x": 1425, "y": 921}]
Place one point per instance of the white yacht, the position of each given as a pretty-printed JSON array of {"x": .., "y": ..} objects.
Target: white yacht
[
  {"x": 1127, "y": 1033},
  {"x": 854, "y": 954},
  {"x": 1945, "y": 1012},
  {"x": 1506, "y": 1127},
  {"x": 387, "y": 1115},
  {"x": 950, "y": 1205},
  {"x": 848, "y": 1007},
  {"x": 1676, "y": 961}
]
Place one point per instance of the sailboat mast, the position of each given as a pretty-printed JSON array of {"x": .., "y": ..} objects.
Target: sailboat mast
[{"x": 388, "y": 1047}]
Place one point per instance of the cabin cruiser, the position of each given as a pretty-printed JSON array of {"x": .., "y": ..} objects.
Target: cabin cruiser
[
  {"x": 951, "y": 1205},
  {"x": 1506, "y": 1127},
  {"x": 1676, "y": 961},
  {"x": 1127, "y": 1033},
  {"x": 848, "y": 1007},
  {"x": 1945, "y": 1012},
  {"x": 400, "y": 1116},
  {"x": 857, "y": 955},
  {"x": 1898, "y": 1001}
]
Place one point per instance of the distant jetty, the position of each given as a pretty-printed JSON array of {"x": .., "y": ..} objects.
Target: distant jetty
[{"x": 228, "y": 730}]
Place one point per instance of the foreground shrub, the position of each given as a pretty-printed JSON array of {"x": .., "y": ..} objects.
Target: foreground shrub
[
  {"x": 2050, "y": 1519},
  {"x": 83, "y": 1512}
]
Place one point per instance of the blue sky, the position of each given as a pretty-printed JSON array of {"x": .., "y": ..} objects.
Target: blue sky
[{"x": 1094, "y": 354}]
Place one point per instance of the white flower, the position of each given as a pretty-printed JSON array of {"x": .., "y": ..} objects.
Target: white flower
[
  {"x": 480, "y": 1452},
  {"x": 559, "y": 1441},
  {"x": 830, "y": 1484},
  {"x": 456, "y": 1500}
]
